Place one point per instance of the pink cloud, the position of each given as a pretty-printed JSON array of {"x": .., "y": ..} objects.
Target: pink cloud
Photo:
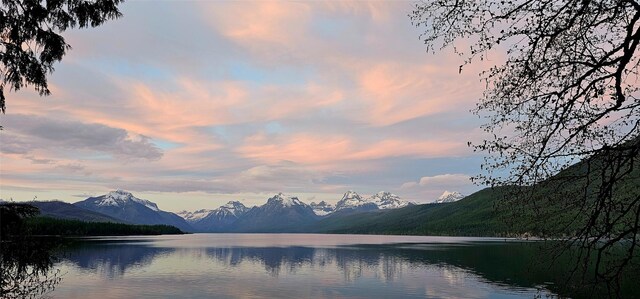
[
  {"x": 411, "y": 148},
  {"x": 398, "y": 91},
  {"x": 309, "y": 149},
  {"x": 392, "y": 84},
  {"x": 301, "y": 148},
  {"x": 260, "y": 22},
  {"x": 355, "y": 71}
]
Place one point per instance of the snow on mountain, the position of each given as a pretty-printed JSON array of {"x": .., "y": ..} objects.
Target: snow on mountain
[
  {"x": 281, "y": 213},
  {"x": 220, "y": 219},
  {"x": 381, "y": 200},
  {"x": 322, "y": 208},
  {"x": 386, "y": 200},
  {"x": 120, "y": 198},
  {"x": 284, "y": 200},
  {"x": 350, "y": 200},
  {"x": 234, "y": 208},
  {"x": 194, "y": 216},
  {"x": 449, "y": 197},
  {"x": 123, "y": 206},
  {"x": 285, "y": 207}
]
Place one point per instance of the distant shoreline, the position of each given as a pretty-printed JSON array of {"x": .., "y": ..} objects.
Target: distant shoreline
[{"x": 46, "y": 226}]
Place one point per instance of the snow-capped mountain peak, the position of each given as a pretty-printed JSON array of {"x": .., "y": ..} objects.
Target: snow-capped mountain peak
[
  {"x": 194, "y": 216},
  {"x": 449, "y": 197},
  {"x": 388, "y": 200},
  {"x": 383, "y": 196},
  {"x": 322, "y": 208},
  {"x": 234, "y": 207},
  {"x": 231, "y": 208},
  {"x": 120, "y": 197},
  {"x": 285, "y": 200},
  {"x": 351, "y": 195},
  {"x": 349, "y": 200}
]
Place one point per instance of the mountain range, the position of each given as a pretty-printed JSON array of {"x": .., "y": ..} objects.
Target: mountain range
[
  {"x": 281, "y": 213},
  {"x": 353, "y": 202},
  {"x": 382, "y": 213},
  {"x": 219, "y": 220},
  {"x": 285, "y": 213},
  {"x": 127, "y": 208}
]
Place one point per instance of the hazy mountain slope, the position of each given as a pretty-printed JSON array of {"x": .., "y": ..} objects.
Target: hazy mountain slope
[{"x": 63, "y": 210}]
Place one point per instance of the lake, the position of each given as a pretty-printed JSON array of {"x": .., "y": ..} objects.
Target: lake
[{"x": 301, "y": 266}]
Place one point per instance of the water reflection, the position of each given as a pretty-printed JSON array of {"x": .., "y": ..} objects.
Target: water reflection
[
  {"x": 112, "y": 260},
  {"x": 26, "y": 268},
  {"x": 350, "y": 262},
  {"x": 337, "y": 271},
  {"x": 504, "y": 263},
  {"x": 194, "y": 268}
]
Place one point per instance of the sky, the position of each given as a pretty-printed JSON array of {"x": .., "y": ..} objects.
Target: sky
[{"x": 193, "y": 104}]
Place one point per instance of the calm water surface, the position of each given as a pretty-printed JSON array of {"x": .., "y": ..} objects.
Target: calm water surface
[{"x": 299, "y": 266}]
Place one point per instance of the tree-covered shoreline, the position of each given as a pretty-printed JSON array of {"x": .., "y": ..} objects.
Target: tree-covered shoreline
[
  {"x": 46, "y": 226},
  {"x": 22, "y": 220}
]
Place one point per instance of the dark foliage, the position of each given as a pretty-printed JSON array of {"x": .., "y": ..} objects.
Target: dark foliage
[
  {"x": 66, "y": 227},
  {"x": 25, "y": 263},
  {"x": 12, "y": 217},
  {"x": 30, "y": 40}
]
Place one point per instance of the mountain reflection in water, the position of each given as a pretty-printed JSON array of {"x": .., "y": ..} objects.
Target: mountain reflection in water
[{"x": 199, "y": 266}]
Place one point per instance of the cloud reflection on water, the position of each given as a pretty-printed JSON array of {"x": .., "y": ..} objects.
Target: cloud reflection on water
[{"x": 155, "y": 270}]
